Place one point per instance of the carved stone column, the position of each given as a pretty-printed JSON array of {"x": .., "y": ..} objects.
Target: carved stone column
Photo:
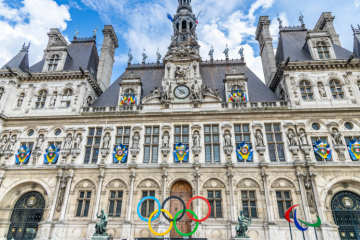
[
  {"x": 35, "y": 154},
  {"x": 228, "y": 149},
  {"x": 163, "y": 190},
  {"x": 320, "y": 212},
  {"x": 264, "y": 176},
  {"x": 64, "y": 154},
  {"x": 300, "y": 177},
  {"x": 7, "y": 155},
  {"x": 2, "y": 174},
  {"x": 341, "y": 150},
  {"x": 66, "y": 197},
  {"x": 295, "y": 150},
  {"x": 131, "y": 193},
  {"x": 55, "y": 198},
  {"x": 98, "y": 195},
  {"x": 165, "y": 152},
  {"x": 104, "y": 153},
  {"x": 230, "y": 175}
]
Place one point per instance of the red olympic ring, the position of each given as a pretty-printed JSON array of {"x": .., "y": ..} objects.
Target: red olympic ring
[{"x": 209, "y": 207}]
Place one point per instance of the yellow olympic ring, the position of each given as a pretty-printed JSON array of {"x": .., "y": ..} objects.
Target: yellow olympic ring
[{"x": 171, "y": 224}]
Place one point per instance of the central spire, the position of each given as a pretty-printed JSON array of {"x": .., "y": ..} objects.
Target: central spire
[{"x": 184, "y": 4}]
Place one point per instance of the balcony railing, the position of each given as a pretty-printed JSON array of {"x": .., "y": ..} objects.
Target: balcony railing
[
  {"x": 112, "y": 109},
  {"x": 257, "y": 105}
]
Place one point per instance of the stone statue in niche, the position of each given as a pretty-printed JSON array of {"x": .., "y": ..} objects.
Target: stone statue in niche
[
  {"x": 181, "y": 70},
  {"x": 20, "y": 100},
  {"x": 39, "y": 142},
  {"x": 322, "y": 91},
  {"x": 337, "y": 137},
  {"x": 195, "y": 92},
  {"x": 3, "y": 143},
  {"x": 11, "y": 142},
  {"x": 227, "y": 139},
  {"x": 100, "y": 227},
  {"x": 77, "y": 141},
  {"x": 68, "y": 142},
  {"x": 106, "y": 141},
  {"x": 292, "y": 138},
  {"x": 136, "y": 140},
  {"x": 166, "y": 140},
  {"x": 53, "y": 101},
  {"x": 61, "y": 194},
  {"x": 196, "y": 139},
  {"x": 167, "y": 92},
  {"x": 242, "y": 226},
  {"x": 303, "y": 137},
  {"x": 259, "y": 139}
]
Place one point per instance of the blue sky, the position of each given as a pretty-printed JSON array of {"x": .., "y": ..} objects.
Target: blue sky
[{"x": 143, "y": 24}]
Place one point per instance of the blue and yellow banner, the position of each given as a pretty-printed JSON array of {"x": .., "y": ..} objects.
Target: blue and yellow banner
[
  {"x": 354, "y": 150},
  {"x": 181, "y": 153},
  {"x": 51, "y": 155},
  {"x": 238, "y": 96},
  {"x": 244, "y": 152},
  {"x": 23, "y": 155},
  {"x": 120, "y": 154},
  {"x": 128, "y": 100},
  {"x": 322, "y": 149}
]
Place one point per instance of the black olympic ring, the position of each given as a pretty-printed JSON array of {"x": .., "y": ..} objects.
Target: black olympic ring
[{"x": 184, "y": 207}]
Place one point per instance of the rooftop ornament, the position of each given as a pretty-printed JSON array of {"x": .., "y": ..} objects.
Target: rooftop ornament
[
  {"x": 280, "y": 21},
  {"x": 95, "y": 30},
  {"x": 241, "y": 52},
  {"x": 301, "y": 19},
  {"x": 226, "y": 51},
  {"x": 211, "y": 53},
  {"x": 130, "y": 56},
  {"x": 158, "y": 55},
  {"x": 144, "y": 56},
  {"x": 76, "y": 31}
]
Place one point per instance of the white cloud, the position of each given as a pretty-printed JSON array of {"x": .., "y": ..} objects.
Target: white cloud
[
  {"x": 357, "y": 3},
  {"x": 31, "y": 22}
]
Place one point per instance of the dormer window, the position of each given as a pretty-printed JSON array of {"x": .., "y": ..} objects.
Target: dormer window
[
  {"x": 40, "y": 103},
  {"x": 306, "y": 91},
  {"x": 323, "y": 50},
  {"x": 66, "y": 98},
  {"x": 336, "y": 89},
  {"x": 53, "y": 63}
]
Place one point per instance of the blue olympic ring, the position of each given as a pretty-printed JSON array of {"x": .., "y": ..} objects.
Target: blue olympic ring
[{"x": 138, "y": 208}]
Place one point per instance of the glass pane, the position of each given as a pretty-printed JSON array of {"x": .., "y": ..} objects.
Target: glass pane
[
  {"x": 148, "y": 130},
  {"x": 269, "y": 137},
  {"x": 247, "y": 138},
  {"x": 177, "y": 139},
  {"x": 237, "y": 128},
  {"x": 208, "y": 153},
  {"x": 321, "y": 56},
  {"x": 245, "y": 208},
  {"x": 89, "y": 141},
  {"x": 272, "y": 153},
  {"x": 281, "y": 209},
  {"x": 253, "y": 209},
  {"x": 207, "y": 139},
  {"x": 207, "y": 129},
  {"x": 211, "y": 194},
  {"x": 177, "y": 130},
  {"x": 118, "y": 208},
  {"x": 303, "y": 97},
  {"x": 112, "y": 194},
  {"x": 278, "y": 195},
  {"x": 341, "y": 96},
  {"x": 287, "y": 195},
  {"x": 98, "y": 131},
  {"x": 243, "y": 194},
  {"x": 155, "y": 140},
  {"x": 145, "y": 193},
  {"x": 91, "y": 132},
  {"x": 302, "y": 90},
  {"x": 217, "y": 194},
  {"x": 308, "y": 90},
  {"x": 216, "y": 153},
  {"x": 120, "y": 194},
  {"x": 88, "y": 194},
  {"x": 155, "y": 130},
  {"x": 238, "y": 138},
  {"x": 119, "y": 131},
  {"x": 87, "y": 155},
  {"x": 185, "y": 139},
  {"x": 252, "y": 194},
  {"x": 111, "y": 208},
  {"x": 143, "y": 208},
  {"x": 276, "y": 127},
  {"x": 154, "y": 158},
  {"x": 97, "y": 141},
  {"x": 151, "y": 206},
  {"x": 82, "y": 194},
  {"x": 215, "y": 138},
  {"x": 86, "y": 209},
  {"x": 268, "y": 128},
  {"x": 147, "y": 140},
  {"x": 338, "y": 89},
  {"x": 127, "y": 131},
  {"x": 278, "y": 137},
  {"x": 118, "y": 140},
  {"x": 288, "y": 205},
  {"x": 146, "y": 154},
  {"x": 310, "y": 97},
  {"x": 332, "y": 89},
  {"x": 218, "y": 209},
  {"x": 215, "y": 129},
  {"x": 78, "y": 211},
  {"x": 185, "y": 130},
  {"x": 212, "y": 209},
  {"x": 280, "y": 149},
  {"x": 126, "y": 140},
  {"x": 246, "y": 128}
]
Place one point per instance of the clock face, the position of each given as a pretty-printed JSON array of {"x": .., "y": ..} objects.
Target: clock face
[{"x": 182, "y": 91}]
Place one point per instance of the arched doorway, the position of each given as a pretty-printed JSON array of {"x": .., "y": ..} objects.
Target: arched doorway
[
  {"x": 182, "y": 190},
  {"x": 346, "y": 211},
  {"x": 27, "y": 213}
]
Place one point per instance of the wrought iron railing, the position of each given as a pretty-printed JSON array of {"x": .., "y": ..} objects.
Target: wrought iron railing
[{"x": 254, "y": 105}]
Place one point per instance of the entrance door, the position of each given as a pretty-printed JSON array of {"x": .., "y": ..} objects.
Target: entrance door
[
  {"x": 182, "y": 190},
  {"x": 346, "y": 211},
  {"x": 27, "y": 213}
]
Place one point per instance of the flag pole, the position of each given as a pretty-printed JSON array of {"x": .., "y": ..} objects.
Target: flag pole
[
  {"x": 290, "y": 231},
  {"x": 315, "y": 234},
  {"x": 303, "y": 235}
]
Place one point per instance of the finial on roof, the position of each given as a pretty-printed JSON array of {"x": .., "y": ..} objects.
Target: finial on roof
[
  {"x": 95, "y": 30},
  {"x": 226, "y": 52},
  {"x": 211, "y": 53},
  {"x": 144, "y": 56},
  {"x": 280, "y": 21},
  {"x": 25, "y": 48},
  {"x": 158, "y": 55},
  {"x": 130, "y": 56},
  {"x": 241, "y": 52},
  {"x": 355, "y": 30},
  {"x": 301, "y": 19},
  {"x": 76, "y": 31}
]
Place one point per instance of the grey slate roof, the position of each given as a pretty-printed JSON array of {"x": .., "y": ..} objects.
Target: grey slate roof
[
  {"x": 212, "y": 75},
  {"x": 292, "y": 44},
  {"x": 357, "y": 45},
  {"x": 20, "y": 61}
]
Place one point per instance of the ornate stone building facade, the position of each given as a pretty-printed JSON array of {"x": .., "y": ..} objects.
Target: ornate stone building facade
[{"x": 66, "y": 101}]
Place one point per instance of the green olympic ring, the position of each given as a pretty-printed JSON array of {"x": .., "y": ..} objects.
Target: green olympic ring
[{"x": 177, "y": 230}]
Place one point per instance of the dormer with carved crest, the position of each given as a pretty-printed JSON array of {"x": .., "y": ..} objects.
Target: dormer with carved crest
[
  {"x": 236, "y": 89},
  {"x": 130, "y": 90}
]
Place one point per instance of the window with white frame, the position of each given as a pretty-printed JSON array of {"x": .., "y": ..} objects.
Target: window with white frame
[
  {"x": 41, "y": 99},
  {"x": 284, "y": 202},
  {"x": 66, "y": 98},
  {"x": 53, "y": 62},
  {"x": 336, "y": 89},
  {"x": 275, "y": 142},
  {"x": 115, "y": 203},
  {"x": 151, "y": 144},
  {"x": 248, "y": 199},
  {"x": 83, "y": 206},
  {"x": 212, "y": 143},
  {"x": 322, "y": 50},
  {"x": 306, "y": 90}
]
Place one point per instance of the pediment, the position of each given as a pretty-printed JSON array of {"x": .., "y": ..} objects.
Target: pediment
[
  {"x": 117, "y": 183},
  {"x": 214, "y": 183},
  {"x": 85, "y": 184},
  {"x": 282, "y": 183},
  {"x": 148, "y": 183},
  {"x": 247, "y": 183}
]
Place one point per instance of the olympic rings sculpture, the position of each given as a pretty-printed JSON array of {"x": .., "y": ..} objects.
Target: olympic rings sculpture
[{"x": 176, "y": 218}]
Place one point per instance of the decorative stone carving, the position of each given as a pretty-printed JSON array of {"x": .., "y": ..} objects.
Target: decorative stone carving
[
  {"x": 181, "y": 51},
  {"x": 282, "y": 183},
  {"x": 144, "y": 56},
  {"x": 292, "y": 138},
  {"x": 166, "y": 140},
  {"x": 214, "y": 183},
  {"x": 196, "y": 139},
  {"x": 68, "y": 142},
  {"x": 60, "y": 199},
  {"x": 228, "y": 148},
  {"x": 106, "y": 141},
  {"x": 3, "y": 143},
  {"x": 53, "y": 100},
  {"x": 158, "y": 55},
  {"x": 39, "y": 142},
  {"x": 148, "y": 183},
  {"x": 156, "y": 93},
  {"x": 341, "y": 150},
  {"x": 247, "y": 183},
  {"x": 336, "y": 135},
  {"x": 20, "y": 100},
  {"x": 195, "y": 95},
  {"x": 166, "y": 96},
  {"x": 226, "y": 51},
  {"x": 11, "y": 143},
  {"x": 77, "y": 142},
  {"x": 303, "y": 137},
  {"x": 136, "y": 141},
  {"x": 259, "y": 139},
  {"x": 322, "y": 91},
  {"x": 207, "y": 91},
  {"x": 116, "y": 184},
  {"x": 211, "y": 53},
  {"x": 85, "y": 184},
  {"x": 181, "y": 70}
]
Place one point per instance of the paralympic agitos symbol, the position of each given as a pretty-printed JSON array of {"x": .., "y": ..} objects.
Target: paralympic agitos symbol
[
  {"x": 297, "y": 224},
  {"x": 176, "y": 218}
]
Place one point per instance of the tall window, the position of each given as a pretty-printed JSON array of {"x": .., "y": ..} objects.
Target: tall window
[
  {"x": 1, "y": 92},
  {"x": 305, "y": 89},
  {"x": 83, "y": 204},
  {"x": 314, "y": 140},
  {"x": 284, "y": 202},
  {"x": 323, "y": 50},
  {"x": 41, "y": 99},
  {"x": 66, "y": 98},
  {"x": 123, "y": 136},
  {"x": 249, "y": 203},
  {"x": 53, "y": 63},
  {"x": 93, "y": 145},
  {"x": 242, "y": 134},
  {"x": 214, "y": 198},
  {"x": 212, "y": 143},
  {"x": 181, "y": 134},
  {"x": 147, "y": 207},
  {"x": 275, "y": 142},
  {"x": 151, "y": 145},
  {"x": 115, "y": 203},
  {"x": 336, "y": 89}
]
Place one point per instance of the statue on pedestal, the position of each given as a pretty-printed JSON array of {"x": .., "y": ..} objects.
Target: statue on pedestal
[
  {"x": 100, "y": 227},
  {"x": 242, "y": 226}
]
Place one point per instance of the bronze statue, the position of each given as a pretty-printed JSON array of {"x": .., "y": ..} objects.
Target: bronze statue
[
  {"x": 242, "y": 226},
  {"x": 100, "y": 227}
]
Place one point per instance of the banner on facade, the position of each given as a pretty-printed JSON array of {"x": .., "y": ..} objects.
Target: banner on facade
[
  {"x": 51, "y": 155},
  {"x": 22, "y": 155},
  {"x": 181, "y": 153},
  {"x": 120, "y": 154},
  {"x": 354, "y": 150},
  {"x": 244, "y": 152},
  {"x": 322, "y": 149}
]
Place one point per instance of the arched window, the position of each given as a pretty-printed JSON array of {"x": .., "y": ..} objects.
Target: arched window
[
  {"x": 336, "y": 89},
  {"x": 66, "y": 98},
  {"x": 41, "y": 100},
  {"x": 53, "y": 63},
  {"x": 306, "y": 91},
  {"x": 183, "y": 26},
  {"x": 1, "y": 92},
  {"x": 323, "y": 50}
]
